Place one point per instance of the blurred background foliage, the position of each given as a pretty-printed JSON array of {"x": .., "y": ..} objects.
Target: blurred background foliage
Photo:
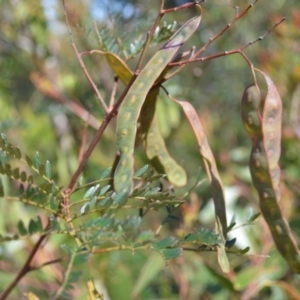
[{"x": 41, "y": 77}]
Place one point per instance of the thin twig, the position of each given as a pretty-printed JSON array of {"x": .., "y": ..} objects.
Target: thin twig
[
  {"x": 113, "y": 93},
  {"x": 149, "y": 37},
  {"x": 47, "y": 263},
  {"x": 238, "y": 50},
  {"x": 26, "y": 267},
  {"x": 239, "y": 16},
  {"x": 79, "y": 58},
  {"x": 237, "y": 8},
  {"x": 78, "y": 55},
  {"x": 203, "y": 48},
  {"x": 184, "y": 6},
  {"x": 97, "y": 136},
  {"x": 150, "y": 33}
]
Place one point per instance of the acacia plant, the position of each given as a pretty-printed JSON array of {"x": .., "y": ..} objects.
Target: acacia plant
[{"x": 104, "y": 214}]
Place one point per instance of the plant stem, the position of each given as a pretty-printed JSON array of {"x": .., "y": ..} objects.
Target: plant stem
[{"x": 26, "y": 268}]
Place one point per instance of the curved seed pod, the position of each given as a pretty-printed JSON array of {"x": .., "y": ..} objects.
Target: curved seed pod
[
  {"x": 148, "y": 108},
  {"x": 147, "y": 115},
  {"x": 264, "y": 168},
  {"x": 132, "y": 104},
  {"x": 155, "y": 145},
  {"x": 209, "y": 162},
  {"x": 175, "y": 173}
]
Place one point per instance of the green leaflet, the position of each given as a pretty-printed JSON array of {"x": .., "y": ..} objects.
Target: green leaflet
[
  {"x": 132, "y": 104},
  {"x": 209, "y": 163},
  {"x": 156, "y": 149},
  {"x": 262, "y": 121}
]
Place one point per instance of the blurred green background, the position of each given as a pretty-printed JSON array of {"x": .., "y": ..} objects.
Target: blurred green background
[{"x": 41, "y": 77}]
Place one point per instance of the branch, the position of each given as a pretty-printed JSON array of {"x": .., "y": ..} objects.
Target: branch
[
  {"x": 26, "y": 268},
  {"x": 150, "y": 33},
  {"x": 47, "y": 263},
  {"x": 210, "y": 41},
  {"x": 238, "y": 50},
  {"x": 97, "y": 136},
  {"x": 79, "y": 58},
  {"x": 239, "y": 16}
]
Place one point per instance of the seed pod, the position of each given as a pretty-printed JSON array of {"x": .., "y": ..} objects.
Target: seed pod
[
  {"x": 265, "y": 134},
  {"x": 132, "y": 104}
]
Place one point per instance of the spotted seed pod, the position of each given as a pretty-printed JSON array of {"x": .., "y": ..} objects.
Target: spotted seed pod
[
  {"x": 262, "y": 120},
  {"x": 130, "y": 109}
]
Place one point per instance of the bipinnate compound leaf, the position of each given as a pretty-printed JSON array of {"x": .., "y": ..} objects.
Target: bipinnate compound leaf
[
  {"x": 132, "y": 104},
  {"x": 262, "y": 120},
  {"x": 209, "y": 162}
]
